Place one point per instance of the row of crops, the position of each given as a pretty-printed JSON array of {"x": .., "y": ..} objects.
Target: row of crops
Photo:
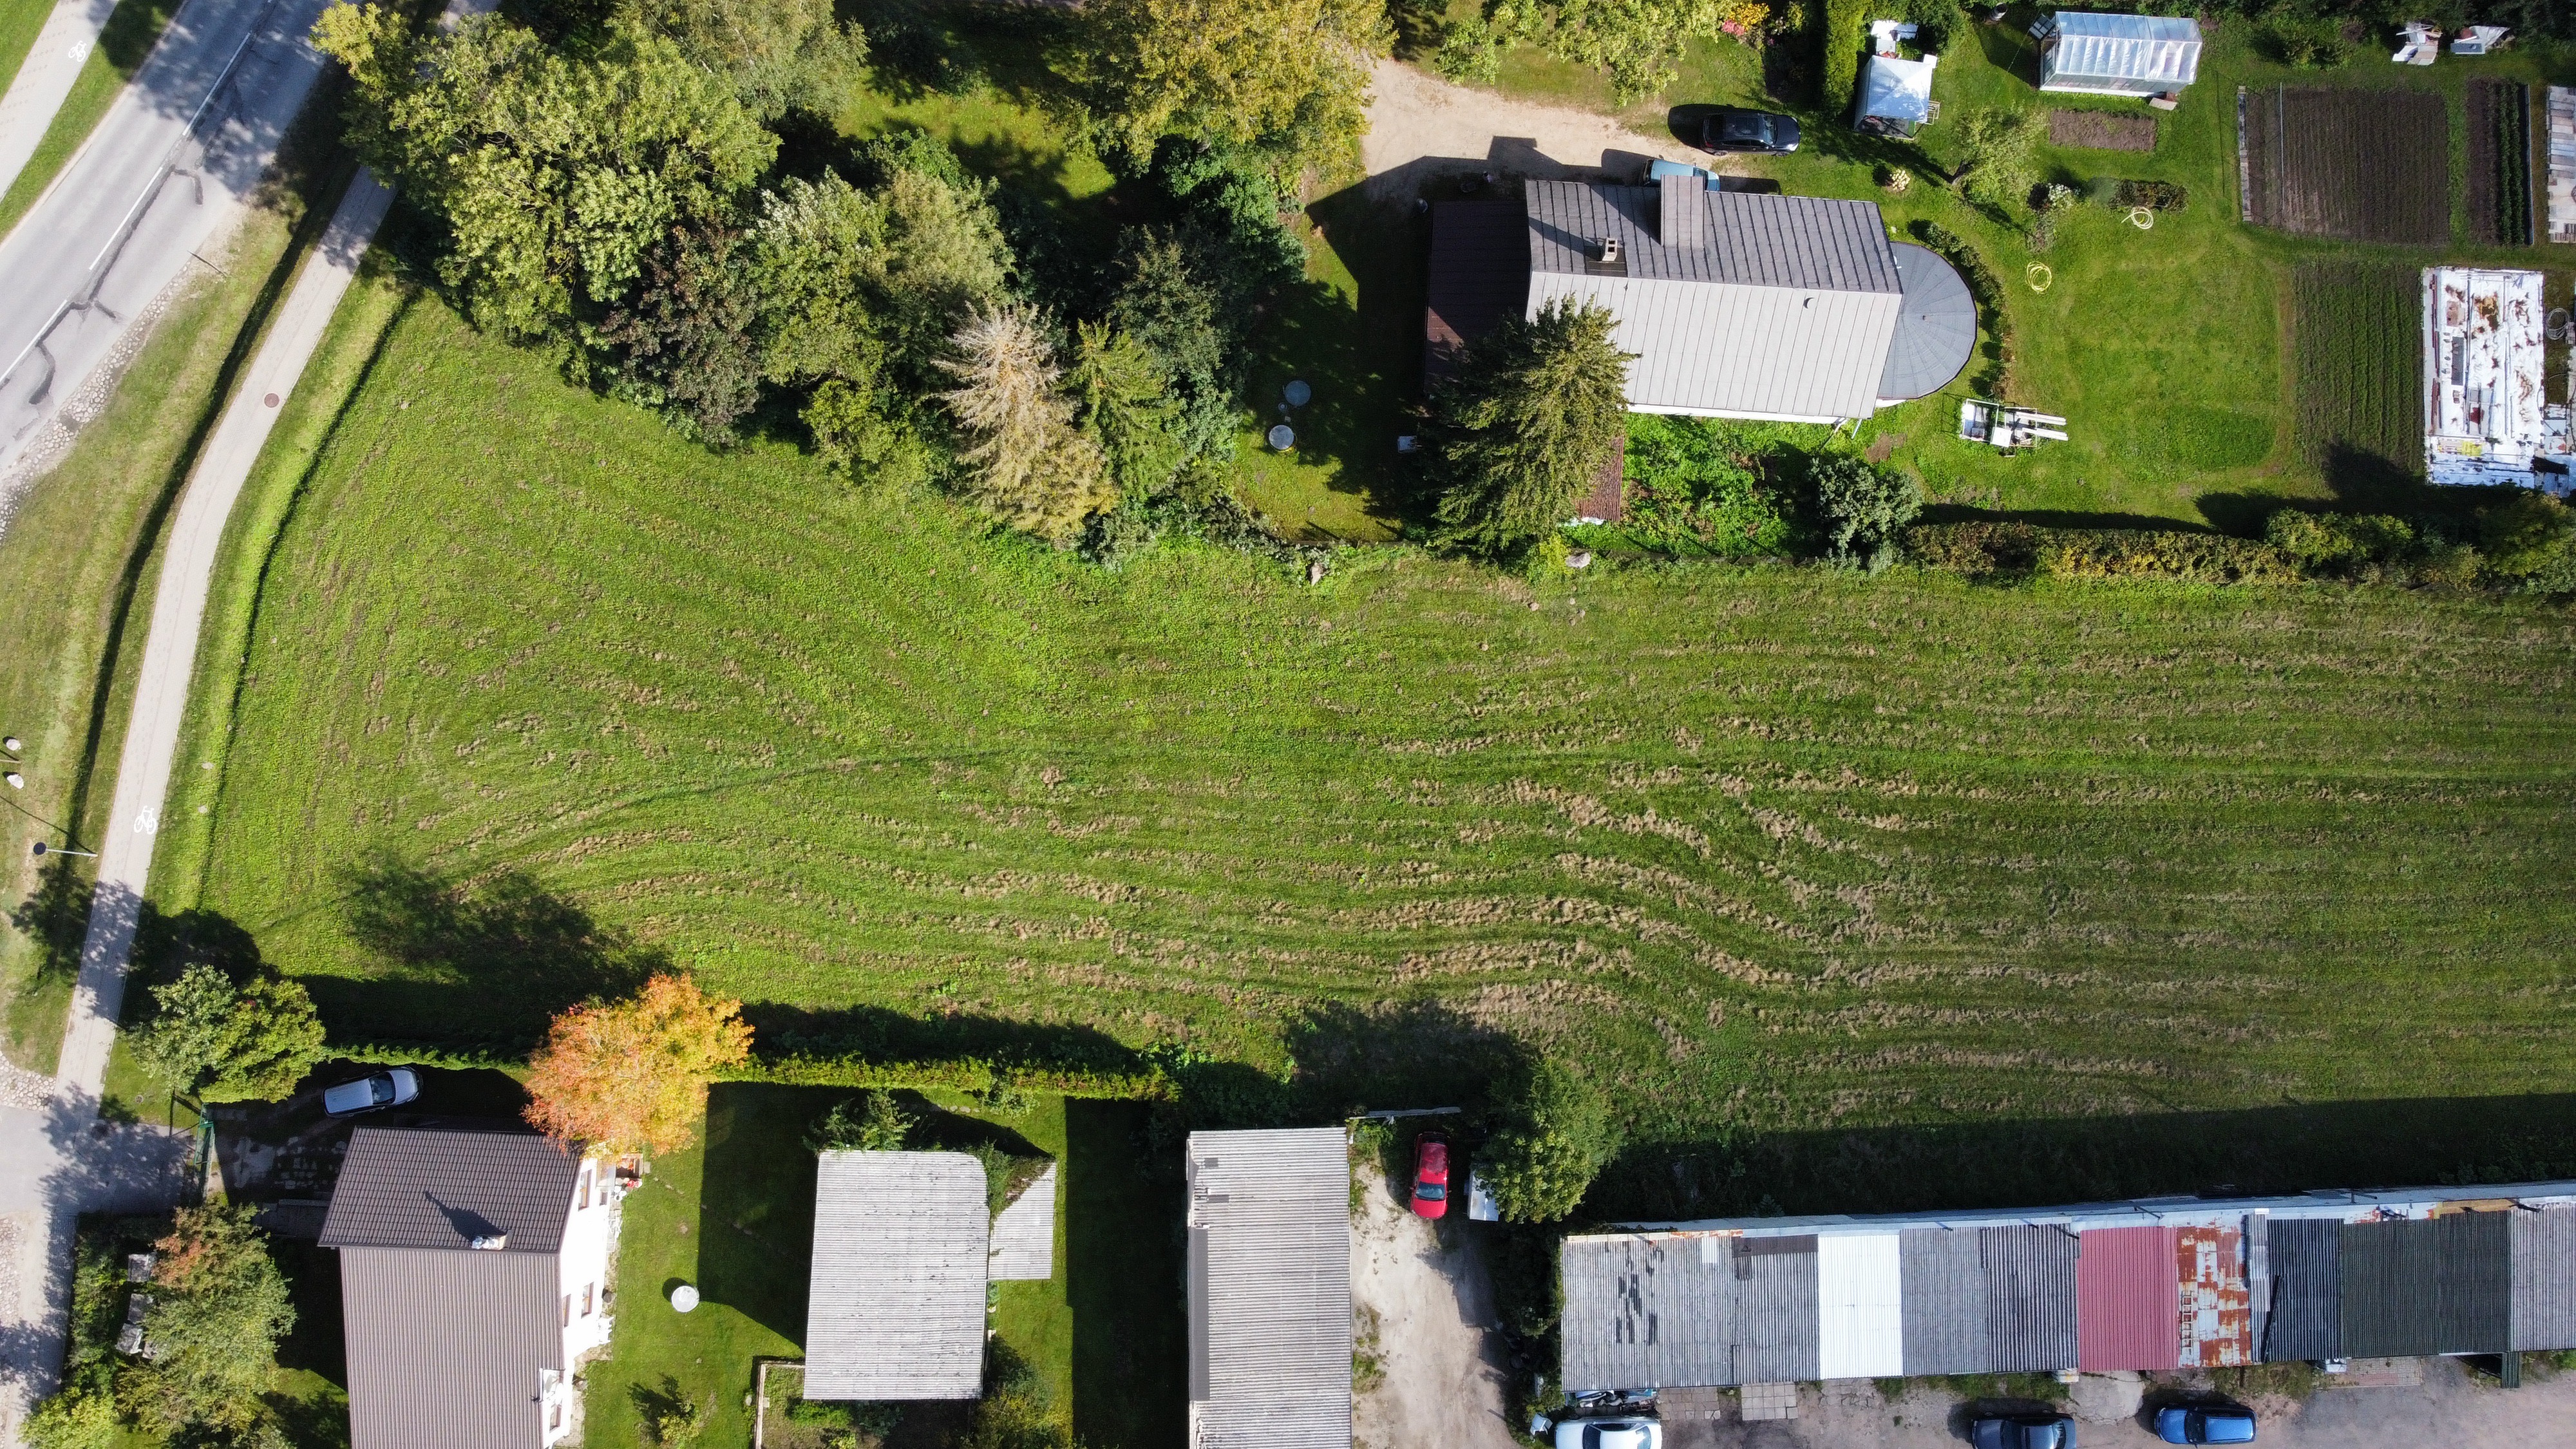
[
  {"x": 2375, "y": 165},
  {"x": 2499, "y": 157},
  {"x": 2356, "y": 342}
]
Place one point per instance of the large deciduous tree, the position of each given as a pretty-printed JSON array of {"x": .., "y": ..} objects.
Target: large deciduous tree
[
  {"x": 223, "y": 1042},
  {"x": 558, "y": 175},
  {"x": 1521, "y": 433},
  {"x": 780, "y": 55},
  {"x": 631, "y": 1076},
  {"x": 1539, "y": 1165},
  {"x": 219, "y": 1308},
  {"x": 1027, "y": 465},
  {"x": 1288, "y": 73}
]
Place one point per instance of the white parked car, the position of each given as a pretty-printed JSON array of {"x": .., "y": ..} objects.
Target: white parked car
[
  {"x": 1623, "y": 1433},
  {"x": 384, "y": 1089}
]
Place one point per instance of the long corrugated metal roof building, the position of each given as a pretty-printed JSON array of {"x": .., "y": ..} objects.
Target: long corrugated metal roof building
[
  {"x": 1270, "y": 1289},
  {"x": 2151, "y": 1284},
  {"x": 895, "y": 1310}
]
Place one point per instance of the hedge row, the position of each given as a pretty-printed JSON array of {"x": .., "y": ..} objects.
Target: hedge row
[
  {"x": 1846, "y": 35},
  {"x": 802, "y": 1069},
  {"x": 1975, "y": 550}
]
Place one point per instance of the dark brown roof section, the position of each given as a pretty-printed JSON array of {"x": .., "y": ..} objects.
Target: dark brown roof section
[
  {"x": 1480, "y": 262},
  {"x": 414, "y": 1188},
  {"x": 447, "y": 1350}
]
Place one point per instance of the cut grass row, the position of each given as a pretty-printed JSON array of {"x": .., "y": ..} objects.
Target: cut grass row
[
  {"x": 1778, "y": 851},
  {"x": 2357, "y": 330}
]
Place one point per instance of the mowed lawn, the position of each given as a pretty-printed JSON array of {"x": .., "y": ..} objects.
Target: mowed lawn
[{"x": 1767, "y": 849}]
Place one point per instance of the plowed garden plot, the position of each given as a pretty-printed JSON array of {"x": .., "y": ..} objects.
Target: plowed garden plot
[
  {"x": 2349, "y": 164},
  {"x": 2354, "y": 338},
  {"x": 2101, "y": 131},
  {"x": 2500, "y": 162}
]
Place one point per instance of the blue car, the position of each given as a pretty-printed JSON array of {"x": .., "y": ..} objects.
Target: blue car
[{"x": 2222, "y": 1425}]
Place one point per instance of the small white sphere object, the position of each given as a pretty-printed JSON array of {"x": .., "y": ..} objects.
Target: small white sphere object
[
  {"x": 1283, "y": 437},
  {"x": 684, "y": 1298}
]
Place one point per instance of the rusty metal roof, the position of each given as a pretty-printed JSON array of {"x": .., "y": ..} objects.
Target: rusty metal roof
[{"x": 2217, "y": 1311}]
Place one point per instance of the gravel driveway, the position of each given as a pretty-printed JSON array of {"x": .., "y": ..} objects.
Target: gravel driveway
[
  {"x": 1424, "y": 1297},
  {"x": 1415, "y": 117}
]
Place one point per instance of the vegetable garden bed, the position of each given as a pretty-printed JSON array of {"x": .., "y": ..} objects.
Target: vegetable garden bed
[{"x": 2355, "y": 165}]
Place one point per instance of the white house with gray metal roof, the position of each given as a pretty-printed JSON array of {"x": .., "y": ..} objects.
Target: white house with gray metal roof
[
  {"x": 902, "y": 1251},
  {"x": 1739, "y": 304},
  {"x": 1270, "y": 1289},
  {"x": 473, "y": 1280}
]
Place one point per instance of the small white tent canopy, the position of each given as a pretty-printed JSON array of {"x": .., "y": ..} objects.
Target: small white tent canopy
[
  {"x": 1898, "y": 91},
  {"x": 2117, "y": 55}
]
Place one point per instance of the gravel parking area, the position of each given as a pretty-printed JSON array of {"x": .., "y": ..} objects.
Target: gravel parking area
[{"x": 1421, "y": 1293}]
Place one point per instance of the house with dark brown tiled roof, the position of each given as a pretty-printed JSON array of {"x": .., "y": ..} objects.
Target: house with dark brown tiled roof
[{"x": 473, "y": 1280}]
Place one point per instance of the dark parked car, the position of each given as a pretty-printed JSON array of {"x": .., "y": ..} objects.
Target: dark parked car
[
  {"x": 1431, "y": 1177},
  {"x": 1730, "y": 129},
  {"x": 2223, "y": 1424},
  {"x": 2022, "y": 1431}
]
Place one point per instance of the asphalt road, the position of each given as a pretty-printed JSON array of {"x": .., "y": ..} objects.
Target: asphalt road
[{"x": 163, "y": 177}]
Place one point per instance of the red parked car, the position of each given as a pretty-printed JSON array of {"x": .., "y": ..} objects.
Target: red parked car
[{"x": 1430, "y": 1177}]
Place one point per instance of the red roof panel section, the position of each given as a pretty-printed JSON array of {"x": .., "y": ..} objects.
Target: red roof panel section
[{"x": 2128, "y": 1296}]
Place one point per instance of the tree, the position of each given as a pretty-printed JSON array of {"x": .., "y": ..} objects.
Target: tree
[
  {"x": 225, "y": 1043},
  {"x": 1999, "y": 156},
  {"x": 781, "y": 55},
  {"x": 1863, "y": 506},
  {"x": 219, "y": 1308},
  {"x": 1178, "y": 300},
  {"x": 852, "y": 281},
  {"x": 632, "y": 1076},
  {"x": 873, "y": 1122},
  {"x": 2526, "y": 534},
  {"x": 1293, "y": 73},
  {"x": 1634, "y": 41},
  {"x": 1539, "y": 1165},
  {"x": 685, "y": 338},
  {"x": 557, "y": 175},
  {"x": 1843, "y": 37},
  {"x": 1122, "y": 401},
  {"x": 1533, "y": 416},
  {"x": 1027, "y": 465}
]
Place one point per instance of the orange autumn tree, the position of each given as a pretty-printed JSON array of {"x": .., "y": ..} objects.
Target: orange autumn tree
[{"x": 631, "y": 1076}]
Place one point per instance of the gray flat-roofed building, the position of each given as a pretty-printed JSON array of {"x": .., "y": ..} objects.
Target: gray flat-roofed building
[
  {"x": 1270, "y": 1289},
  {"x": 1943, "y": 1272},
  {"x": 2306, "y": 1309},
  {"x": 1936, "y": 327},
  {"x": 1672, "y": 1311},
  {"x": 895, "y": 1310},
  {"x": 2030, "y": 1297},
  {"x": 2544, "y": 1279},
  {"x": 1735, "y": 304},
  {"x": 2427, "y": 1286}
]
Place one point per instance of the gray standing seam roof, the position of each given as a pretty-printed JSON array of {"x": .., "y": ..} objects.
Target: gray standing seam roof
[
  {"x": 2427, "y": 1286},
  {"x": 1936, "y": 328},
  {"x": 2544, "y": 1279},
  {"x": 896, "y": 1306},
  {"x": 2305, "y": 1318},
  {"x": 1755, "y": 240},
  {"x": 1270, "y": 1289},
  {"x": 1943, "y": 1283},
  {"x": 2030, "y": 1297},
  {"x": 1787, "y": 311},
  {"x": 445, "y": 1348},
  {"x": 414, "y": 1188}
]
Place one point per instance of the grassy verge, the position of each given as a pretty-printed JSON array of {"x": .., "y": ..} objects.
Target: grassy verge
[
  {"x": 2358, "y": 331},
  {"x": 82, "y": 556},
  {"x": 1779, "y": 850},
  {"x": 20, "y": 20},
  {"x": 129, "y": 35}
]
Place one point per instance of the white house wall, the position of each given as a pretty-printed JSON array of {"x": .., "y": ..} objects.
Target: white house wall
[
  {"x": 1860, "y": 1310},
  {"x": 589, "y": 1246}
]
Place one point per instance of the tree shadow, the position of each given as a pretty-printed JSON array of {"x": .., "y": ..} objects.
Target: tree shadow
[
  {"x": 877, "y": 1033},
  {"x": 2284, "y": 1149},
  {"x": 503, "y": 953},
  {"x": 2060, "y": 518},
  {"x": 756, "y": 1201},
  {"x": 1404, "y": 1055},
  {"x": 2008, "y": 46}
]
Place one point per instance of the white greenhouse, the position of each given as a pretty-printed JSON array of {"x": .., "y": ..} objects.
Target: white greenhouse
[{"x": 2117, "y": 55}]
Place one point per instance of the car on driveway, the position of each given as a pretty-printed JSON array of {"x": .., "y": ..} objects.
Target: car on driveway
[
  {"x": 2022, "y": 1431},
  {"x": 1430, "y": 1177},
  {"x": 1731, "y": 128},
  {"x": 384, "y": 1089},
  {"x": 2205, "y": 1424},
  {"x": 1621, "y": 1433}
]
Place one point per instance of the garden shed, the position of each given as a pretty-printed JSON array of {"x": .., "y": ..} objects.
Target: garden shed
[
  {"x": 2117, "y": 55},
  {"x": 895, "y": 1310},
  {"x": 1270, "y": 1289}
]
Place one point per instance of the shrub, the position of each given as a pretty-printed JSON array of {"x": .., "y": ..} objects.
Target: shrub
[
  {"x": 1861, "y": 505},
  {"x": 2526, "y": 534},
  {"x": 1999, "y": 156},
  {"x": 1689, "y": 487},
  {"x": 1845, "y": 30},
  {"x": 230, "y": 1043},
  {"x": 1980, "y": 549},
  {"x": 2153, "y": 195},
  {"x": 874, "y": 1122},
  {"x": 2339, "y": 543},
  {"x": 1539, "y": 1166}
]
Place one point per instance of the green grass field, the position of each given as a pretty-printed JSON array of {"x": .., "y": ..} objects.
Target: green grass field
[
  {"x": 2358, "y": 331},
  {"x": 1778, "y": 851}
]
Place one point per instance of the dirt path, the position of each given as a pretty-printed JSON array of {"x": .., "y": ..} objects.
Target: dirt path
[
  {"x": 1425, "y": 1297},
  {"x": 1417, "y": 117}
]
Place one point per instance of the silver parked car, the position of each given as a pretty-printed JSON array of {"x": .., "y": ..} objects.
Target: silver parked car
[
  {"x": 1622, "y": 1433},
  {"x": 384, "y": 1089}
]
